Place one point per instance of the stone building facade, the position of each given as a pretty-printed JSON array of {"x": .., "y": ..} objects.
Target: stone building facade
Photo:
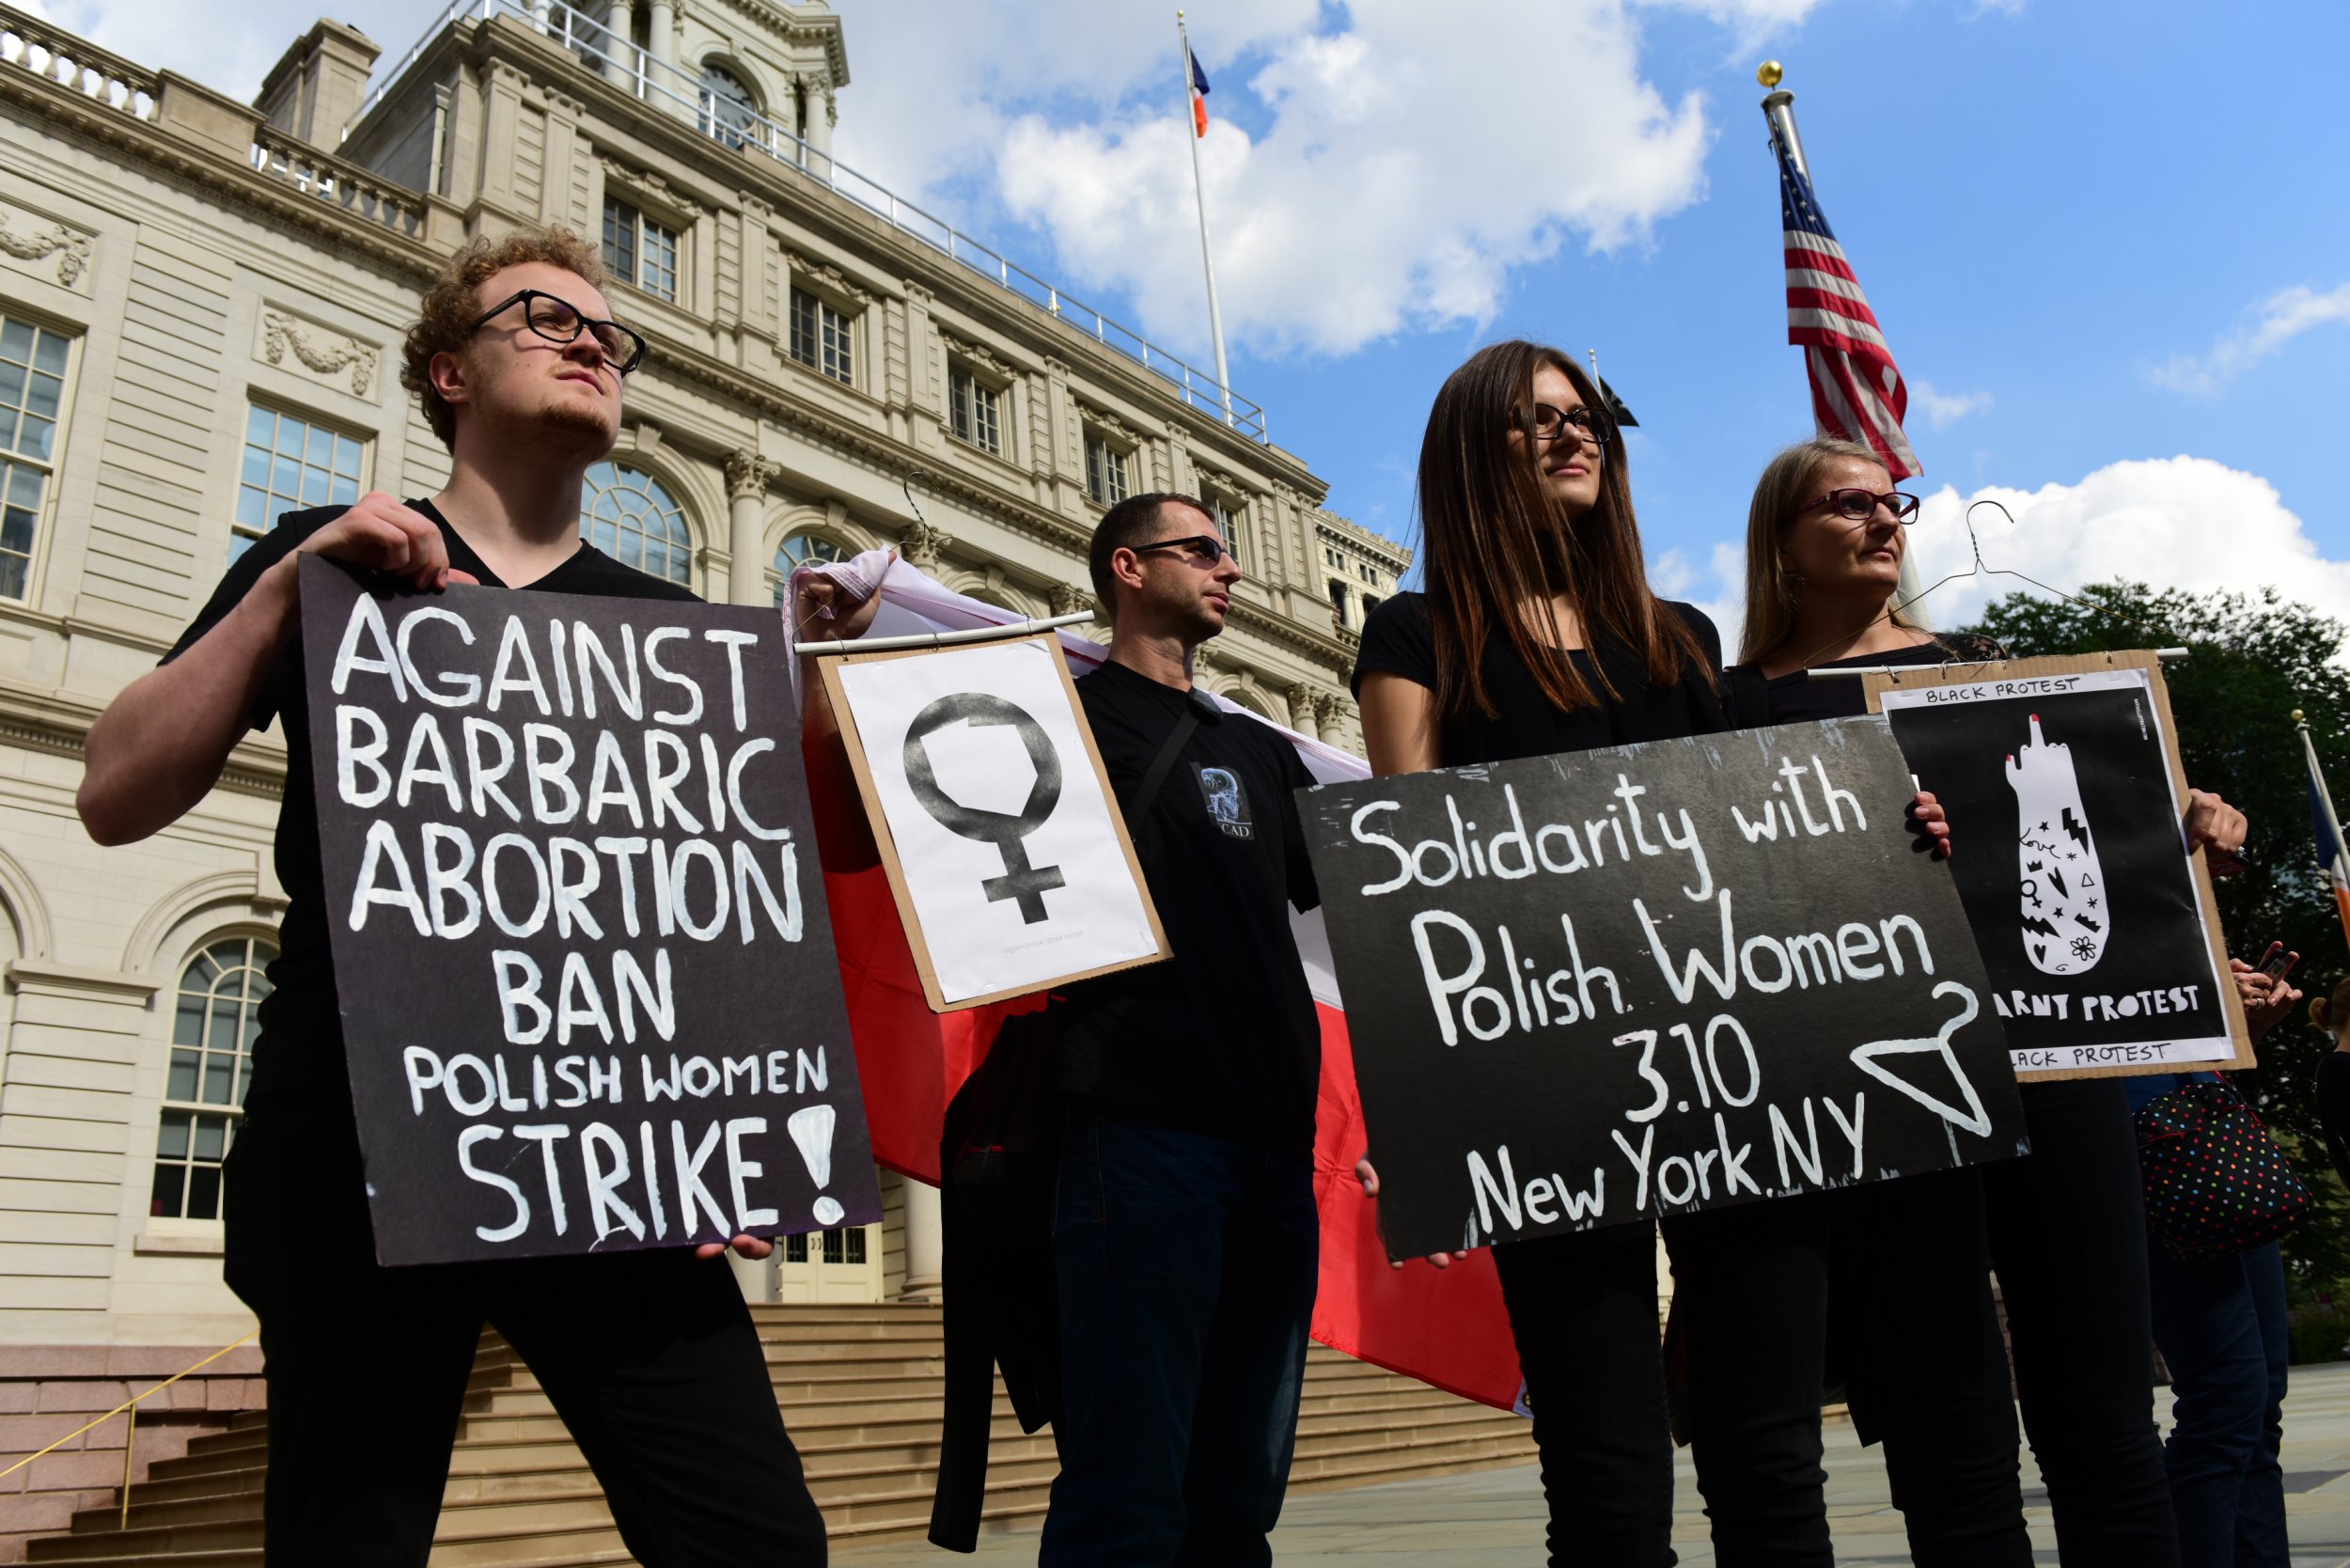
[{"x": 200, "y": 306}]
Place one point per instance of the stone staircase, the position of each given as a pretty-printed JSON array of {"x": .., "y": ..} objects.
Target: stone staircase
[{"x": 860, "y": 1388}]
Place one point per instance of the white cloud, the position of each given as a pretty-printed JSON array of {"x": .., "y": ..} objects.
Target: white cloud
[
  {"x": 1398, "y": 160},
  {"x": 2184, "y": 523},
  {"x": 1944, "y": 409},
  {"x": 2279, "y": 319}
]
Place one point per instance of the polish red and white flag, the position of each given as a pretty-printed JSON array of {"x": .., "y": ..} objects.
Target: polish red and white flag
[{"x": 1445, "y": 1328}]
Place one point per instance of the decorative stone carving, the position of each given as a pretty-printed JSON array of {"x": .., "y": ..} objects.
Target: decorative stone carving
[
  {"x": 1068, "y": 599},
  {"x": 317, "y": 349},
  {"x": 972, "y": 355},
  {"x": 28, "y": 240},
  {"x": 921, "y": 544},
  {"x": 1329, "y": 711},
  {"x": 1108, "y": 425},
  {"x": 826, "y": 277},
  {"x": 748, "y": 474},
  {"x": 656, "y": 191}
]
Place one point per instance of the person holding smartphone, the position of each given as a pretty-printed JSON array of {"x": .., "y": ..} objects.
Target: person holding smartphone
[{"x": 2221, "y": 1327}]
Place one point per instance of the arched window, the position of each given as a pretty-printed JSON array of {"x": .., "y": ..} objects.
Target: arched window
[
  {"x": 630, "y": 517},
  {"x": 804, "y": 550},
  {"x": 211, "y": 1045},
  {"x": 730, "y": 112}
]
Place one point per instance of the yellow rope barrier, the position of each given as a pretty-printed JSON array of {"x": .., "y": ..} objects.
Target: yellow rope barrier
[{"x": 130, "y": 1404}]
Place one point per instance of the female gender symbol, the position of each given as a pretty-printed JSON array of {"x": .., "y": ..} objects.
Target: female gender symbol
[{"x": 1026, "y": 884}]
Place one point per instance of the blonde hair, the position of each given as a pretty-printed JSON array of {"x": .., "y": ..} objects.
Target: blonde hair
[
  {"x": 1780, "y": 495},
  {"x": 2332, "y": 1013}
]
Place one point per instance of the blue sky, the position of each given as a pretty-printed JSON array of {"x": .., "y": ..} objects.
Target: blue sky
[{"x": 2111, "y": 240}]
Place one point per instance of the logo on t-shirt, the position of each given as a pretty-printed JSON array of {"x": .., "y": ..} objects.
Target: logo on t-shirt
[{"x": 1228, "y": 803}]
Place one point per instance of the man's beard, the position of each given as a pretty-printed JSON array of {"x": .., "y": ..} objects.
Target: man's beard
[{"x": 570, "y": 425}]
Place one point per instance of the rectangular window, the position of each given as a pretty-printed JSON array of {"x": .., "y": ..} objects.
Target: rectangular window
[
  {"x": 639, "y": 251},
  {"x": 1337, "y": 600},
  {"x": 290, "y": 464},
  {"x": 1371, "y": 603},
  {"x": 846, "y": 1246},
  {"x": 819, "y": 338},
  {"x": 1228, "y": 525},
  {"x": 1105, "y": 471},
  {"x": 32, "y": 403},
  {"x": 976, "y": 412}
]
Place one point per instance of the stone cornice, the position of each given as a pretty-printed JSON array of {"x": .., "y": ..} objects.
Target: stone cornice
[
  {"x": 63, "y": 110},
  {"x": 59, "y": 724}
]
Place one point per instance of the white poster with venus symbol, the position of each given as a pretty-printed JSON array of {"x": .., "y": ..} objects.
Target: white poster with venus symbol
[{"x": 1050, "y": 897}]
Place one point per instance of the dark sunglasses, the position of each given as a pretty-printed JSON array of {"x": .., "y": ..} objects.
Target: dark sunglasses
[
  {"x": 1859, "y": 506},
  {"x": 1545, "y": 423},
  {"x": 1205, "y": 548},
  {"x": 558, "y": 321}
]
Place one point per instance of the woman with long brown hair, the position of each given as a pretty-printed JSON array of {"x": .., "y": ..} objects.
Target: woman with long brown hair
[{"x": 1538, "y": 633}]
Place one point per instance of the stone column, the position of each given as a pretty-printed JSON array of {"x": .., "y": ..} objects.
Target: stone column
[
  {"x": 661, "y": 41},
  {"x": 926, "y": 1243},
  {"x": 1329, "y": 709},
  {"x": 621, "y": 17},
  {"x": 747, "y": 475},
  {"x": 823, "y": 115}
]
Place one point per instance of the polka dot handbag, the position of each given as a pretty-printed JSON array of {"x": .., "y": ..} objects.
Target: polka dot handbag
[{"x": 2217, "y": 1184}]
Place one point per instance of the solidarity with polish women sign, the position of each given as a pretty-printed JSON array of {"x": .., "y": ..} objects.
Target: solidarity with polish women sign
[
  {"x": 585, "y": 970},
  {"x": 1592, "y": 989}
]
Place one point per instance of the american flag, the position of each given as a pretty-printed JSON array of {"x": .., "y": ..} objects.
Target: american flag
[{"x": 1857, "y": 390}]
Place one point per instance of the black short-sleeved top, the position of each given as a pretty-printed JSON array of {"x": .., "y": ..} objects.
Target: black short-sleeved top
[
  {"x": 1757, "y": 701},
  {"x": 2333, "y": 1107},
  {"x": 1398, "y": 639},
  {"x": 1221, "y": 1039},
  {"x": 298, "y": 1073}
]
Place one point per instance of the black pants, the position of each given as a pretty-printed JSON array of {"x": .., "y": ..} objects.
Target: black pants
[
  {"x": 1752, "y": 1284},
  {"x": 649, "y": 1357},
  {"x": 2065, "y": 1228}
]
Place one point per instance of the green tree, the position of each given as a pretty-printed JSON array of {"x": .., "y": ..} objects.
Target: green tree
[{"x": 2253, "y": 660}]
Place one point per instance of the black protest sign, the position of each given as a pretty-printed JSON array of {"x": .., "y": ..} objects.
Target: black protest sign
[
  {"x": 587, "y": 977},
  {"x": 2064, "y": 793},
  {"x": 1591, "y": 989}
]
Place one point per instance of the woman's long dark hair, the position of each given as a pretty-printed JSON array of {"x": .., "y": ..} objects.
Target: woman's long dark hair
[{"x": 1498, "y": 546}]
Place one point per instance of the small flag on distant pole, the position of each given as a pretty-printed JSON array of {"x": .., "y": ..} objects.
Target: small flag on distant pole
[
  {"x": 2330, "y": 853},
  {"x": 1198, "y": 94}
]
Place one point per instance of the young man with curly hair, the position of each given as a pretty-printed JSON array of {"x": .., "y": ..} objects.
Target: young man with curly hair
[{"x": 650, "y": 1357}]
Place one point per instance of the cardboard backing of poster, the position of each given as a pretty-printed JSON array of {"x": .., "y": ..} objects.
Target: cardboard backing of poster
[
  {"x": 2062, "y": 781},
  {"x": 1598, "y": 988},
  {"x": 1005, "y": 847},
  {"x": 588, "y": 993}
]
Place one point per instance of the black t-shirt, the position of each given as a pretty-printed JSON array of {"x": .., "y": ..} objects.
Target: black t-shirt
[
  {"x": 298, "y": 1073},
  {"x": 1398, "y": 639},
  {"x": 1222, "y": 1037},
  {"x": 1757, "y": 701},
  {"x": 2333, "y": 1107}
]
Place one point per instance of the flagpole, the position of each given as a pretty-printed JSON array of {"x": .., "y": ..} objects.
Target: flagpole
[
  {"x": 2317, "y": 777},
  {"x": 1778, "y": 110},
  {"x": 1207, "y": 252}
]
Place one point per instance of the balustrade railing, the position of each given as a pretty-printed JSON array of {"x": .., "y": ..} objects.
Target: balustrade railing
[
  {"x": 661, "y": 84},
  {"x": 27, "y": 42},
  {"x": 331, "y": 179}
]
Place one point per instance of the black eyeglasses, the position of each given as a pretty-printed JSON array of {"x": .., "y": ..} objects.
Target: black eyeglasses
[
  {"x": 558, "y": 321},
  {"x": 1206, "y": 548},
  {"x": 1859, "y": 506},
  {"x": 1545, "y": 423}
]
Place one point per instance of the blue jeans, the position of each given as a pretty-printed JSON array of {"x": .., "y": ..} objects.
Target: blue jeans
[
  {"x": 2222, "y": 1326},
  {"x": 1187, "y": 1266}
]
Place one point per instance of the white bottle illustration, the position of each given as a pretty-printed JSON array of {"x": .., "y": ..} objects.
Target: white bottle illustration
[{"x": 2063, "y": 892}]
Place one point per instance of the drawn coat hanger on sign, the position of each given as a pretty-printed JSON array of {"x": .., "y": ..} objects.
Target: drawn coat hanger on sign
[{"x": 1979, "y": 567}]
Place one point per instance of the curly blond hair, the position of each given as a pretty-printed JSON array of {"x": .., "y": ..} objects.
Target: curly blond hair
[{"x": 452, "y": 303}]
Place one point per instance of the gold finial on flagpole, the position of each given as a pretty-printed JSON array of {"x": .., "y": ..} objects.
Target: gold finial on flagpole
[
  {"x": 1769, "y": 74},
  {"x": 2296, "y": 716}
]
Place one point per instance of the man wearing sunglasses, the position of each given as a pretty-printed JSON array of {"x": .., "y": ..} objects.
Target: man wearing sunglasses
[
  {"x": 650, "y": 1357},
  {"x": 1185, "y": 1239}
]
